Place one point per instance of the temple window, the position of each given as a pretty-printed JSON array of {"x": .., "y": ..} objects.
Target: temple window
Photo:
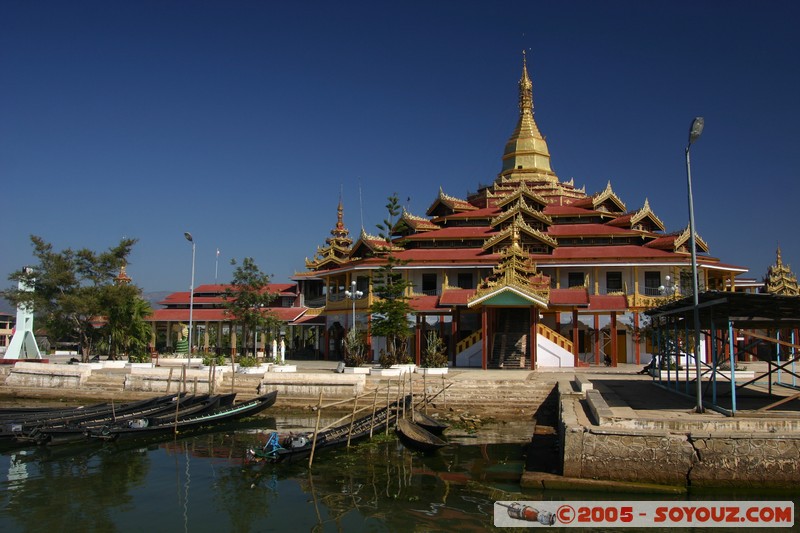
[
  {"x": 575, "y": 279},
  {"x": 465, "y": 280},
  {"x": 652, "y": 283},
  {"x": 429, "y": 286},
  {"x": 614, "y": 281}
]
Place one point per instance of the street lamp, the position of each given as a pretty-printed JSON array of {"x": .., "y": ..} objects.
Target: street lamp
[
  {"x": 670, "y": 289},
  {"x": 694, "y": 134},
  {"x": 354, "y": 295},
  {"x": 191, "y": 294}
]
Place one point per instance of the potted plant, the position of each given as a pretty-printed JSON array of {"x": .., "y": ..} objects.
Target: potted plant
[{"x": 434, "y": 360}]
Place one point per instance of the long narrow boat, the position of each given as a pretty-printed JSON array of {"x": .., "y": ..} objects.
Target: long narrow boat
[
  {"x": 436, "y": 427},
  {"x": 62, "y": 433},
  {"x": 11, "y": 428},
  {"x": 298, "y": 445},
  {"x": 141, "y": 428},
  {"x": 414, "y": 436}
]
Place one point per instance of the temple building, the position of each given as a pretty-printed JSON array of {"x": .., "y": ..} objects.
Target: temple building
[
  {"x": 528, "y": 272},
  {"x": 216, "y": 333},
  {"x": 780, "y": 279}
]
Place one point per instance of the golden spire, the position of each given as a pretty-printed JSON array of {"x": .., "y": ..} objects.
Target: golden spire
[
  {"x": 526, "y": 154},
  {"x": 525, "y": 90},
  {"x": 122, "y": 278},
  {"x": 780, "y": 278}
]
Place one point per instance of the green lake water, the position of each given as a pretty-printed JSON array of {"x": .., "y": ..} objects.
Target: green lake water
[{"x": 201, "y": 483}]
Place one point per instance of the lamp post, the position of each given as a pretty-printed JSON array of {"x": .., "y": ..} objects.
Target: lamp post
[
  {"x": 694, "y": 134},
  {"x": 354, "y": 295},
  {"x": 191, "y": 294}
]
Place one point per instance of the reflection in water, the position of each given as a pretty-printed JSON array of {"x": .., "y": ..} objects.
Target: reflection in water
[{"x": 202, "y": 484}]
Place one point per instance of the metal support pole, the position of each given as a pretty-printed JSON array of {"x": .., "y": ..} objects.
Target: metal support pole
[{"x": 694, "y": 132}]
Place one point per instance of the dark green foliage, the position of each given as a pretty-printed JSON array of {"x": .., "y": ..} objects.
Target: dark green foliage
[
  {"x": 390, "y": 310},
  {"x": 247, "y": 298},
  {"x": 74, "y": 289}
]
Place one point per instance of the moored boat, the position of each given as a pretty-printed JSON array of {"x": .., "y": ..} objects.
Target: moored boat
[
  {"x": 280, "y": 448},
  {"x": 142, "y": 428},
  {"x": 414, "y": 436},
  {"x": 433, "y": 425}
]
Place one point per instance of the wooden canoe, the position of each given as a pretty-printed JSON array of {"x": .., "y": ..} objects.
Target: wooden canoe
[
  {"x": 414, "y": 436},
  {"x": 436, "y": 427}
]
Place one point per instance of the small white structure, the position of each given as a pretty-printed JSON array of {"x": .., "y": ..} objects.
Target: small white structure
[{"x": 23, "y": 343}]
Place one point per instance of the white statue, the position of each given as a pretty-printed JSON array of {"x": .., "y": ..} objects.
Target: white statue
[{"x": 23, "y": 343}]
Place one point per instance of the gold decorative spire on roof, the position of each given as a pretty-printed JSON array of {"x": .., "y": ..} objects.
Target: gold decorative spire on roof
[
  {"x": 780, "y": 279},
  {"x": 646, "y": 212},
  {"x": 681, "y": 243},
  {"x": 516, "y": 272},
  {"x": 337, "y": 246},
  {"x": 526, "y": 154},
  {"x": 122, "y": 278}
]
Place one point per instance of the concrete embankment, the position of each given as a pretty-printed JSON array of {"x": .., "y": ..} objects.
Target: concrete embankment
[
  {"x": 604, "y": 438},
  {"x": 499, "y": 394}
]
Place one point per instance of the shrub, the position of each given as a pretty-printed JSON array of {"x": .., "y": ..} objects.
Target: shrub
[
  {"x": 355, "y": 349},
  {"x": 434, "y": 356},
  {"x": 247, "y": 361},
  {"x": 209, "y": 359},
  {"x": 386, "y": 360},
  {"x": 139, "y": 358}
]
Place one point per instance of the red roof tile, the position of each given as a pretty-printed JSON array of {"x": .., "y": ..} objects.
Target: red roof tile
[
  {"x": 425, "y": 304},
  {"x": 574, "y": 230},
  {"x": 456, "y": 232},
  {"x": 450, "y": 256},
  {"x": 453, "y": 297},
  {"x": 569, "y": 297},
  {"x": 605, "y": 302},
  {"x": 285, "y": 314},
  {"x": 485, "y": 212}
]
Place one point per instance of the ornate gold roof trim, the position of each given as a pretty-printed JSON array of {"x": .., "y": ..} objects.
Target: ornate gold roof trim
[
  {"x": 521, "y": 207},
  {"x": 455, "y": 203},
  {"x": 418, "y": 223},
  {"x": 645, "y": 212},
  {"x": 780, "y": 279},
  {"x": 517, "y": 225},
  {"x": 522, "y": 191},
  {"x": 516, "y": 272},
  {"x": 683, "y": 239},
  {"x": 608, "y": 194}
]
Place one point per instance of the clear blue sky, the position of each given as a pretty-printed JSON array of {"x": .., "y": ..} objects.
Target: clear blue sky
[{"x": 242, "y": 121}]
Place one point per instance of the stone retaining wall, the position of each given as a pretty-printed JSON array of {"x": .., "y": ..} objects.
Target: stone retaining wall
[
  {"x": 47, "y": 376},
  {"x": 688, "y": 458}
]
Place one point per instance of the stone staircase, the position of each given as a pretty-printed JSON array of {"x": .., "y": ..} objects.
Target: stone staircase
[
  {"x": 502, "y": 398},
  {"x": 510, "y": 343}
]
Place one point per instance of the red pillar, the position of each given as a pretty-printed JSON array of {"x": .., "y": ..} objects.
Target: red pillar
[
  {"x": 418, "y": 340},
  {"x": 327, "y": 345},
  {"x": 636, "y": 338},
  {"x": 454, "y": 334},
  {"x": 575, "y": 333},
  {"x": 597, "y": 334},
  {"x": 613, "y": 338},
  {"x": 533, "y": 337},
  {"x": 485, "y": 339}
]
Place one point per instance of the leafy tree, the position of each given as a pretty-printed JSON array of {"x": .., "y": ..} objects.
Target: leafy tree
[
  {"x": 126, "y": 327},
  {"x": 247, "y": 297},
  {"x": 391, "y": 309},
  {"x": 70, "y": 289}
]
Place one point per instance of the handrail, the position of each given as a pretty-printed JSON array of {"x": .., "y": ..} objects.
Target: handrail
[
  {"x": 554, "y": 337},
  {"x": 465, "y": 343}
]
